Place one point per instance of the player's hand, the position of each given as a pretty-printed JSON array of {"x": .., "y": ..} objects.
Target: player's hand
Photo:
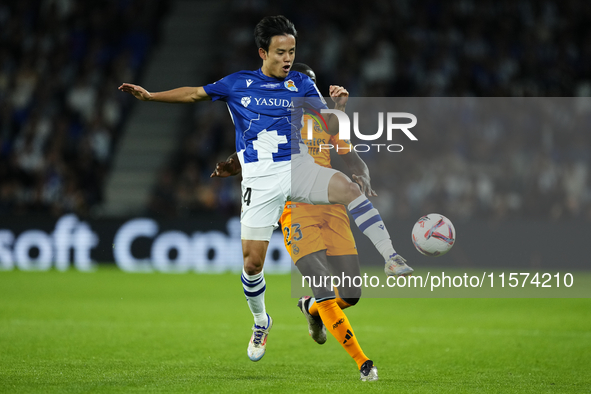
[
  {"x": 137, "y": 91},
  {"x": 339, "y": 95},
  {"x": 365, "y": 185},
  {"x": 227, "y": 168}
]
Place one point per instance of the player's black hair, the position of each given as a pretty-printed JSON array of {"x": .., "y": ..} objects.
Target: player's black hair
[
  {"x": 304, "y": 69},
  {"x": 271, "y": 26}
]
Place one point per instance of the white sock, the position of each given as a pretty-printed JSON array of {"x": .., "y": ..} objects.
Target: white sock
[
  {"x": 370, "y": 223},
  {"x": 254, "y": 290}
]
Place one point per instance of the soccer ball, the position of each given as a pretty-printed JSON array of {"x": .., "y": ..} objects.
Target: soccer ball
[{"x": 433, "y": 235}]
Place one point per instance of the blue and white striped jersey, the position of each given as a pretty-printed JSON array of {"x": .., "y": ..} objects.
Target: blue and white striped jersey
[{"x": 267, "y": 124}]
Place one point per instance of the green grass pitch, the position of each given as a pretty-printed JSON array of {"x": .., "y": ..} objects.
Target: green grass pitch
[{"x": 111, "y": 332}]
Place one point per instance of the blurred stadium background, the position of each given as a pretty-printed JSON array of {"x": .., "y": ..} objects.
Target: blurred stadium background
[{"x": 85, "y": 166}]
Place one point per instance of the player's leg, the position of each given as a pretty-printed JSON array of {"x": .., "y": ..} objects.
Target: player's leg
[
  {"x": 341, "y": 190},
  {"x": 253, "y": 280},
  {"x": 346, "y": 266},
  {"x": 314, "y": 184},
  {"x": 316, "y": 327},
  {"x": 347, "y": 294},
  {"x": 261, "y": 208},
  {"x": 254, "y": 285},
  {"x": 335, "y": 320},
  {"x": 341, "y": 254},
  {"x": 302, "y": 238},
  {"x": 332, "y": 315}
]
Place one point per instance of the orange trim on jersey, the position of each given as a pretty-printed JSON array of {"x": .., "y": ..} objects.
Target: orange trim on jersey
[{"x": 318, "y": 146}]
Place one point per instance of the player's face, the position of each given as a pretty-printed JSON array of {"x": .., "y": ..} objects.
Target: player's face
[{"x": 278, "y": 60}]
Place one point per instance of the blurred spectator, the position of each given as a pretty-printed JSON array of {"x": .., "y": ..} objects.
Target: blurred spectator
[
  {"x": 60, "y": 61},
  {"x": 60, "y": 64},
  {"x": 423, "y": 48}
]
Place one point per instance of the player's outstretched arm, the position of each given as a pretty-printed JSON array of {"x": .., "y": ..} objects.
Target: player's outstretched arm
[
  {"x": 339, "y": 95},
  {"x": 179, "y": 95},
  {"x": 230, "y": 167},
  {"x": 360, "y": 172}
]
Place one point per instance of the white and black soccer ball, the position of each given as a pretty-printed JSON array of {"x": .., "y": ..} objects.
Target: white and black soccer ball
[{"x": 433, "y": 235}]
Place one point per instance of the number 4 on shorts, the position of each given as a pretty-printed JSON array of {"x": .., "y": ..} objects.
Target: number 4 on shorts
[{"x": 247, "y": 196}]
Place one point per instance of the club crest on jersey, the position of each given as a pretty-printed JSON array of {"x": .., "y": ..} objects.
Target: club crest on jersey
[{"x": 290, "y": 85}]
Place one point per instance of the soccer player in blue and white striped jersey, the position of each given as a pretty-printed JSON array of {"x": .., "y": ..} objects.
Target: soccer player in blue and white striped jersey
[{"x": 275, "y": 163}]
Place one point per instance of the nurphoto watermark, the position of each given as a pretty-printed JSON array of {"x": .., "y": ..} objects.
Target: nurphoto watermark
[{"x": 344, "y": 132}]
